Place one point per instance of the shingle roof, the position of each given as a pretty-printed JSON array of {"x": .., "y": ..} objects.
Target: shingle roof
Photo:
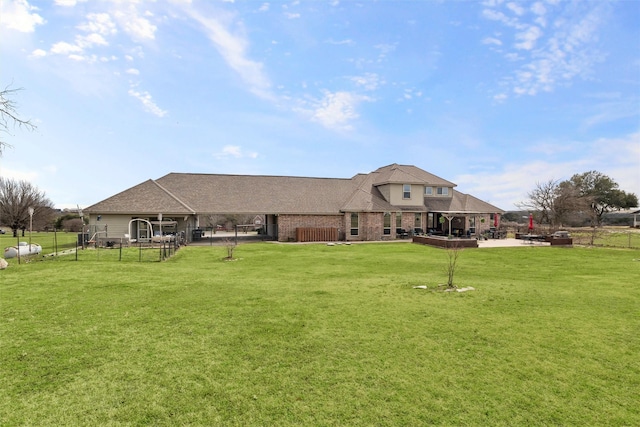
[
  {"x": 408, "y": 174},
  {"x": 248, "y": 194},
  {"x": 460, "y": 203},
  {"x": 366, "y": 197},
  {"x": 190, "y": 193},
  {"x": 144, "y": 198}
]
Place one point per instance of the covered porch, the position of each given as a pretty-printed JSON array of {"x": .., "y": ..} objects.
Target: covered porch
[{"x": 464, "y": 224}]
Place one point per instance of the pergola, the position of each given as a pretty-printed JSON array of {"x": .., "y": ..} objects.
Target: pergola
[{"x": 450, "y": 215}]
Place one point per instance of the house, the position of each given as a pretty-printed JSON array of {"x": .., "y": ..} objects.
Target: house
[{"x": 392, "y": 201}]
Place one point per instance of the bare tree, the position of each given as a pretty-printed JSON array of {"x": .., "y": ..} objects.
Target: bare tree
[
  {"x": 453, "y": 253},
  {"x": 231, "y": 245},
  {"x": 16, "y": 197},
  {"x": 541, "y": 200},
  {"x": 9, "y": 116}
]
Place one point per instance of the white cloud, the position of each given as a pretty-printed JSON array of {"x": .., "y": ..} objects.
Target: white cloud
[
  {"x": 148, "y": 103},
  {"x": 233, "y": 49},
  {"x": 385, "y": 49},
  {"x": 369, "y": 81},
  {"x": 133, "y": 71},
  {"x": 515, "y": 8},
  {"x": 264, "y": 7},
  {"x": 501, "y": 97},
  {"x": 548, "y": 60},
  {"x": 91, "y": 40},
  {"x": 38, "y": 53},
  {"x": 527, "y": 39},
  {"x": 99, "y": 23},
  {"x": 68, "y": 3},
  {"x": 337, "y": 109},
  {"x": 290, "y": 15},
  {"x": 19, "y": 15},
  {"x": 492, "y": 40},
  {"x": 616, "y": 157},
  {"x": 234, "y": 151},
  {"x": 64, "y": 48},
  {"x": 139, "y": 28},
  {"x": 341, "y": 42}
]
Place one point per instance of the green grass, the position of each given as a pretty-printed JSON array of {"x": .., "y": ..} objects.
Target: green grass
[
  {"x": 319, "y": 335},
  {"x": 618, "y": 237},
  {"x": 47, "y": 240}
]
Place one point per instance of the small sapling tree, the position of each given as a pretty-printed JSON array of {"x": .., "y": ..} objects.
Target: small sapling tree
[
  {"x": 453, "y": 253},
  {"x": 230, "y": 244}
]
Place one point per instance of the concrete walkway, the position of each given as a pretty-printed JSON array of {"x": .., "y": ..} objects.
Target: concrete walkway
[{"x": 503, "y": 243}]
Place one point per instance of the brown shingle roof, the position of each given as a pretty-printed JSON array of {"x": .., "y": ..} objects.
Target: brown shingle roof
[
  {"x": 211, "y": 193},
  {"x": 189, "y": 193},
  {"x": 407, "y": 174},
  {"x": 147, "y": 197},
  {"x": 459, "y": 202}
]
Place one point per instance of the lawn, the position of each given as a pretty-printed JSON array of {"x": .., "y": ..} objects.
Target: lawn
[
  {"x": 324, "y": 335},
  {"x": 49, "y": 241}
]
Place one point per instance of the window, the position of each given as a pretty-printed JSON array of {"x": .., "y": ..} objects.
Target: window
[
  {"x": 443, "y": 191},
  {"x": 418, "y": 221},
  {"x": 398, "y": 219},
  {"x": 406, "y": 191},
  {"x": 354, "y": 224},
  {"x": 386, "y": 223},
  {"x": 428, "y": 191}
]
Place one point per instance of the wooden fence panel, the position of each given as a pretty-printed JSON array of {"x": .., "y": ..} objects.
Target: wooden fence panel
[{"x": 316, "y": 234}]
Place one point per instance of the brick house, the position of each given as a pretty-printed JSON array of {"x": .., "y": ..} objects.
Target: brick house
[{"x": 390, "y": 202}]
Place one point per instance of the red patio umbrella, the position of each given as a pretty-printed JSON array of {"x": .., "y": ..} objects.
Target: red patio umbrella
[
  {"x": 530, "y": 222},
  {"x": 496, "y": 220}
]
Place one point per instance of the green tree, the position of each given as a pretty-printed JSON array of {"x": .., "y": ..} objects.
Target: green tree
[{"x": 600, "y": 193}]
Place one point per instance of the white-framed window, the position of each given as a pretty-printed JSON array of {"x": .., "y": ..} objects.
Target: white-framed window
[
  {"x": 443, "y": 191},
  {"x": 428, "y": 191},
  {"x": 398, "y": 219},
  {"x": 354, "y": 224},
  {"x": 386, "y": 226},
  {"x": 406, "y": 191}
]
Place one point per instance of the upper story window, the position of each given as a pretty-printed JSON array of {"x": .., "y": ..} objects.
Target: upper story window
[
  {"x": 406, "y": 191},
  {"x": 443, "y": 191},
  {"x": 428, "y": 191}
]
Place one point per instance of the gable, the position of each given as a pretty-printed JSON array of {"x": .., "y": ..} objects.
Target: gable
[{"x": 144, "y": 198}]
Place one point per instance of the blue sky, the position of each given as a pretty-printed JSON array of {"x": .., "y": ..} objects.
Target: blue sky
[{"x": 494, "y": 96}]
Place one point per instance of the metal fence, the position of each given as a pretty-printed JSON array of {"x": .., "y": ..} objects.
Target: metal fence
[
  {"x": 105, "y": 250},
  {"x": 605, "y": 238}
]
